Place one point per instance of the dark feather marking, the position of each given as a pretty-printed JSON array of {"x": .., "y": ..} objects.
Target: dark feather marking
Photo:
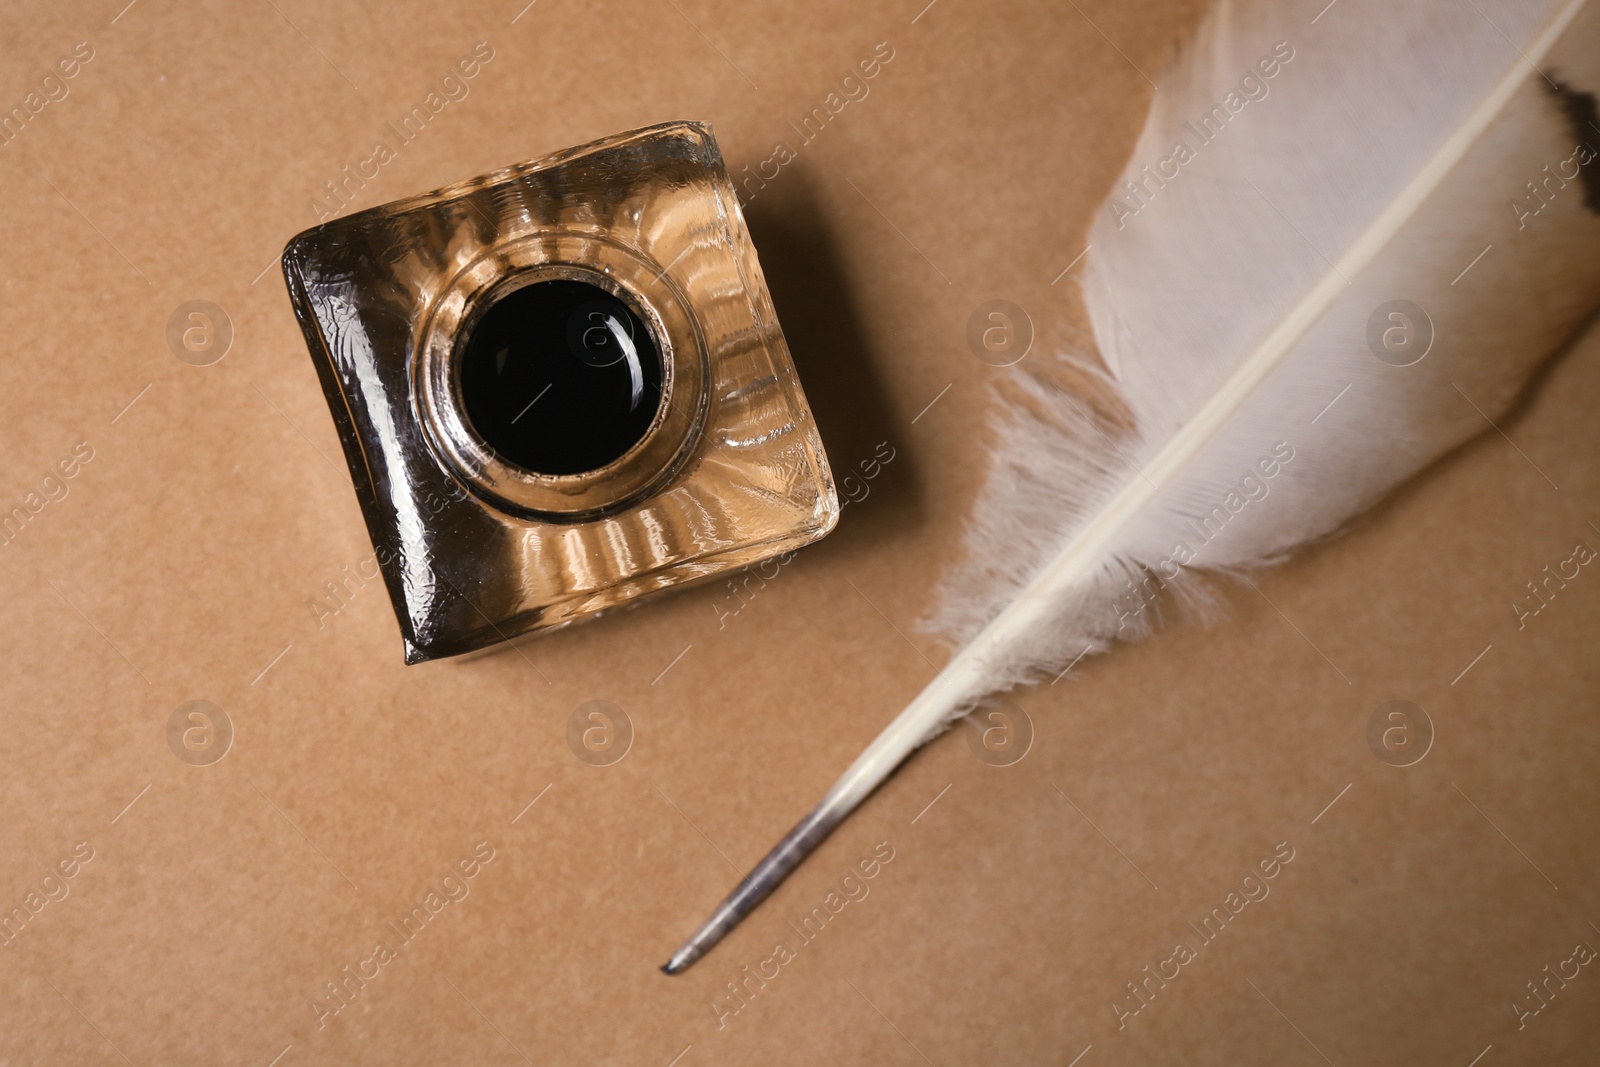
[{"x": 1583, "y": 111}]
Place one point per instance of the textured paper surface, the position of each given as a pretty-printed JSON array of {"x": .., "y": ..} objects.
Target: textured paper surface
[{"x": 184, "y": 560}]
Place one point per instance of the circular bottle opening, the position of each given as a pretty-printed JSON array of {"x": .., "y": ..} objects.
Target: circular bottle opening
[{"x": 561, "y": 377}]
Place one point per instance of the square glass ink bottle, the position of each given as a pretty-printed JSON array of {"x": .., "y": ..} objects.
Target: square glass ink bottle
[{"x": 559, "y": 387}]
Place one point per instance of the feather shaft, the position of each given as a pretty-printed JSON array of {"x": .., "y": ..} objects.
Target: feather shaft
[{"x": 1082, "y": 560}]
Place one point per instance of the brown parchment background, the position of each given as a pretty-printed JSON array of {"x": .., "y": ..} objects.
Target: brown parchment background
[{"x": 185, "y": 556}]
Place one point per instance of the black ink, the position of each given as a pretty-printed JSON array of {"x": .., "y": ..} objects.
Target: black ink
[{"x": 561, "y": 377}]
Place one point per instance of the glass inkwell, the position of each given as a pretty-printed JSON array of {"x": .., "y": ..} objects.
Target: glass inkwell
[{"x": 559, "y": 387}]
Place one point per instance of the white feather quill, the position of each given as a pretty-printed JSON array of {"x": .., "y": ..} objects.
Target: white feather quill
[{"x": 1311, "y": 203}]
